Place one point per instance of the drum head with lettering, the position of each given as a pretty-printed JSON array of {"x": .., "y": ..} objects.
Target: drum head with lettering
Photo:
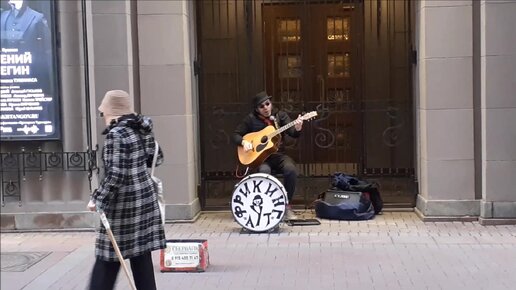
[{"x": 259, "y": 202}]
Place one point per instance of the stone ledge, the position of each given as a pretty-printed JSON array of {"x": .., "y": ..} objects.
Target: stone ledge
[
  {"x": 426, "y": 218},
  {"x": 70, "y": 230},
  {"x": 182, "y": 212},
  {"x": 181, "y": 221},
  {"x": 48, "y": 221},
  {"x": 498, "y": 210},
  {"x": 83, "y": 220},
  {"x": 448, "y": 208},
  {"x": 496, "y": 221}
]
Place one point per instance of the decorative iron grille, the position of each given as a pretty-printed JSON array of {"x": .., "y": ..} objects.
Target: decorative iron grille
[{"x": 15, "y": 166}]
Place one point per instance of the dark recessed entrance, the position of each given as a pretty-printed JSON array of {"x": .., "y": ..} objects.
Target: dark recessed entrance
[{"x": 348, "y": 60}]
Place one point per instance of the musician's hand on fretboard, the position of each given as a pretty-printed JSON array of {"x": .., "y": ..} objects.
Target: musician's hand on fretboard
[{"x": 298, "y": 123}]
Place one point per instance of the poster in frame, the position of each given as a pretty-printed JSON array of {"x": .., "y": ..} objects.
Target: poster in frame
[{"x": 29, "y": 82}]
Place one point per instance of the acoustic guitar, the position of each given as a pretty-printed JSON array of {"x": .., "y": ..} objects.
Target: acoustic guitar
[{"x": 265, "y": 142}]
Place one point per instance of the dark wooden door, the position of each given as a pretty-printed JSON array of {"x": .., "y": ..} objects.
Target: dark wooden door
[
  {"x": 312, "y": 62},
  {"x": 347, "y": 59}
]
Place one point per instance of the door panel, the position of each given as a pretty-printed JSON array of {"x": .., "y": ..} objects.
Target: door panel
[
  {"x": 347, "y": 59},
  {"x": 313, "y": 63}
]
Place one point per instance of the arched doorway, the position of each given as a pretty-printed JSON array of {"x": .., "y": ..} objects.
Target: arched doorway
[{"x": 349, "y": 60}]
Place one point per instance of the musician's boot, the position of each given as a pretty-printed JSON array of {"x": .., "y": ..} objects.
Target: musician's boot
[{"x": 289, "y": 214}]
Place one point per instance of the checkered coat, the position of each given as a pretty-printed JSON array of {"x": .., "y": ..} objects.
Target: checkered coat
[{"x": 126, "y": 193}]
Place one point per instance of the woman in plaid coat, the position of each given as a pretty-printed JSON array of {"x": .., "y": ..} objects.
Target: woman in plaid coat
[{"x": 127, "y": 196}]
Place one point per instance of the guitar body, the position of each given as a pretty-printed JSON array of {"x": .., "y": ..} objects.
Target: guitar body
[
  {"x": 263, "y": 147},
  {"x": 266, "y": 142}
]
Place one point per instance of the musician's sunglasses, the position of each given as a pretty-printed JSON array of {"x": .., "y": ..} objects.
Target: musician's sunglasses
[{"x": 266, "y": 104}]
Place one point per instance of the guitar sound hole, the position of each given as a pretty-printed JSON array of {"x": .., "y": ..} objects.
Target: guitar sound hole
[{"x": 264, "y": 139}]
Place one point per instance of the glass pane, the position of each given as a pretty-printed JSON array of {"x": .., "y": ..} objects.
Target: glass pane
[
  {"x": 289, "y": 67},
  {"x": 339, "y": 65},
  {"x": 338, "y": 95},
  {"x": 290, "y": 96},
  {"x": 289, "y": 29},
  {"x": 338, "y": 28},
  {"x": 347, "y": 65}
]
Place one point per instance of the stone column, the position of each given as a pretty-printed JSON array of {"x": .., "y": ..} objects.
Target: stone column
[
  {"x": 73, "y": 117},
  {"x": 445, "y": 109},
  {"x": 111, "y": 52},
  {"x": 165, "y": 37},
  {"x": 111, "y": 57},
  {"x": 498, "y": 111}
]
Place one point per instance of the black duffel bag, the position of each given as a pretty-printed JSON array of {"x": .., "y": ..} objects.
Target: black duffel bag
[
  {"x": 336, "y": 204},
  {"x": 347, "y": 182}
]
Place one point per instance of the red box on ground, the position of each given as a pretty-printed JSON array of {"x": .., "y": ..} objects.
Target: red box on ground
[{"x": 185, "y": 256}]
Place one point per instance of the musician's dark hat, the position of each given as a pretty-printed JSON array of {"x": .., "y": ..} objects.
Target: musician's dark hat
[{"x": 260, "y": 98}]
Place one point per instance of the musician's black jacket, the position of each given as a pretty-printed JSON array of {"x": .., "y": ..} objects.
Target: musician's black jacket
[{"x": 253, "y": 122}]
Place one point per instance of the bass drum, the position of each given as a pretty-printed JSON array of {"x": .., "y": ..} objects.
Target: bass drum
[{"x": 259, "y": 202}]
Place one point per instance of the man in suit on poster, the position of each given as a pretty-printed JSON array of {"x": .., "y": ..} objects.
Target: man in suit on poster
[
  {"x": 27, "y": 30},
  {"x": 23, "y": 27}
]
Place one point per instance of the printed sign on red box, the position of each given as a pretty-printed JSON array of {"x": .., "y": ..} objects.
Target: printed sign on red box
[{"x": 185, "y": 256}]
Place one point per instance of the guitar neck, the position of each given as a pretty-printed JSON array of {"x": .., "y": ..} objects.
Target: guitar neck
[{"x": 281, "y": 129}]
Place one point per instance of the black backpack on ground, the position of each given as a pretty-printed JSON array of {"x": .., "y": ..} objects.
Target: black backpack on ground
[
  {"x": 338, "y": 204},
  {"x": 350, "y": 183}
]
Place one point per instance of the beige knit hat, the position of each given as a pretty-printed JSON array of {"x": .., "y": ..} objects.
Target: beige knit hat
[{"x": 116, "y": 103}]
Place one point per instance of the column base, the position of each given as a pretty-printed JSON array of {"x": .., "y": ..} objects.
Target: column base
[
  {"x": 183, "y": 212},
  {"x": 426, "y": 218},
  {"x": 496, "y": 222},
  {"x": 498, "y": 212},
  {"x": 83, "y": 220},
  {"x": 447, "y": 210},
  {"x": 43, "y": 221}
]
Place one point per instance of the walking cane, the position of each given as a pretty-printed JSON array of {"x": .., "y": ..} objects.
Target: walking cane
[{"x": 117, "y": 250}]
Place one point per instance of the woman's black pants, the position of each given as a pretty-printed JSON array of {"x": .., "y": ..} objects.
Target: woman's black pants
[{"x": 104, "y": 273}]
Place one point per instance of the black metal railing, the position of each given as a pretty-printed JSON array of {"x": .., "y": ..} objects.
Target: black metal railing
[{"x": 15, "y": 166}]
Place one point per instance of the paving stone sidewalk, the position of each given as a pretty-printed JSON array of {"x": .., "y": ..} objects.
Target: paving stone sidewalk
[{"x": 394, "y": 251}]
